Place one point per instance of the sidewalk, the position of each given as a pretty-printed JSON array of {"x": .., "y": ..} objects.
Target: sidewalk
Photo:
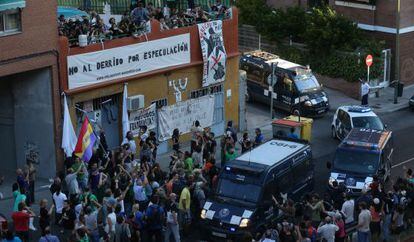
[
  {"x": 385, "y": 102},
  {"x": 382, "y": 104}
]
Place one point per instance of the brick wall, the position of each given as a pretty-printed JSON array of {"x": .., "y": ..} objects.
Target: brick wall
[{"x": 39, "y": 31}]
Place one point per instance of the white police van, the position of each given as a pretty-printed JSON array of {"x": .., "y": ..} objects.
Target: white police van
[{"x": 243, "y": 199}]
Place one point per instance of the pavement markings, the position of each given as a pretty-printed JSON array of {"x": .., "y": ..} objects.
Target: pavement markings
[{"x": 402, "y": 163}]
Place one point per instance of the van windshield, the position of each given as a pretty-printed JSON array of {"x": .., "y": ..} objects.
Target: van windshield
[
  {"x": 356, "y": 161},
  {"x": 306, "y": 82},
  {"x": 238, "y": 190},
  {"x": 368, "y": 122}
]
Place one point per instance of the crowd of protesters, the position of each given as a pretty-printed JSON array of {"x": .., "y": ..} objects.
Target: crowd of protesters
[
  {"x": 136, "y": 22},
  {"x": 124, "y": 195}
]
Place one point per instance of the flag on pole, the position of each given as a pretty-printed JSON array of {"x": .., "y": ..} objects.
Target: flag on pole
[
  {"x": 86, "y": 141},
  {"x": 69, "y": 135},
  {"x": 125, "y": 119}
]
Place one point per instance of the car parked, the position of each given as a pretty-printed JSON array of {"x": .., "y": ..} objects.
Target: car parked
[{"x": 411, "y": 103}]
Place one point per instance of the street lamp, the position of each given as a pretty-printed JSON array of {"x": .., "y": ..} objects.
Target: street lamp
[{"x": 397, "y": 53}]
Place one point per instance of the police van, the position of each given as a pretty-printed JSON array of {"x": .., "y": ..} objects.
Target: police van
[
  {"x": 295, "y": 88},
  {"x": 364, "y": 153},
  {"x": 242, "y": 202}
]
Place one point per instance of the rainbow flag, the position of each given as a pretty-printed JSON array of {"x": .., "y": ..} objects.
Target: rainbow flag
[{"x": 86, "y": 141}]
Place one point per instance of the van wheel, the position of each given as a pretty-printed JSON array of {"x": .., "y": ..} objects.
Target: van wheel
[
  {"x": 333, "y": 133},
  {"x": 295, "y": 112}
]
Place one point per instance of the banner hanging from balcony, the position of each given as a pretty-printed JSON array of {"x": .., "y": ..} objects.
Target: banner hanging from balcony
[
  {"x": 213, "y": 52},
  {"x": 146, "y": 116},
  {"x": 182, "y": 116},
  {"x": 116, "y": 63}
]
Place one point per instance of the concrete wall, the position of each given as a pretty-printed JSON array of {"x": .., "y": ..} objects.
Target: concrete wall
[
  {"x": 33, "y": 119},
  {"x": 8, "y": 158}
]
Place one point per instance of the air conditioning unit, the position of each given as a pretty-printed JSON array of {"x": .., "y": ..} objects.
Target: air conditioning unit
[{"x": 135, "y": 102}]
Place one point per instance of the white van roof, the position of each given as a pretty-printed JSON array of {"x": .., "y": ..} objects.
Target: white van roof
[{"x": 271, "y": 152}]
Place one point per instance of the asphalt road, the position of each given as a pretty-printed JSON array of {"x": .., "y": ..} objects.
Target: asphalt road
[{"x": 401, "y": 123}]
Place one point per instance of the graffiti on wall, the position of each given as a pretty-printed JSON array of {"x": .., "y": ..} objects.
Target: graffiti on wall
[{"x": 31, "y": 152}]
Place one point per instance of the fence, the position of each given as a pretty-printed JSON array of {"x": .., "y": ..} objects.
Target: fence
[{"x": 120, "y": 6}]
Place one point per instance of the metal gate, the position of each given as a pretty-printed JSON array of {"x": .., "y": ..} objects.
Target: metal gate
[
  {"x": 104, "y": 114},
  {"x": 218, "y": 117}
]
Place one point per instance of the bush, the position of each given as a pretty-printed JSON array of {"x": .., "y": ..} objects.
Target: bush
[{"x": 332, "y": 41}]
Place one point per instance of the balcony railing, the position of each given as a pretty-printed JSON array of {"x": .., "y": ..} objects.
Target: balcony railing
[{"x": 121, "y": 6}]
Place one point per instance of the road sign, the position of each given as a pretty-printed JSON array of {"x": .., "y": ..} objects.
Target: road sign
[{"x": 368, "y": 60}]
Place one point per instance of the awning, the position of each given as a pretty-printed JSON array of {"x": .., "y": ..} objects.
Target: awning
[{"x": 11, "y": 4}]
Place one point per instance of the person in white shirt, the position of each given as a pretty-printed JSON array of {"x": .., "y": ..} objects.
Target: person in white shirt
[
  {"x": 348, "y": 209},
  {"x": 129, "y": 139},
  {"x": 364, "y": 92},
  {"x": 328, "y": 229},
  {"x": 364, "y": 220},
  {"x": 59, "y": 198}
]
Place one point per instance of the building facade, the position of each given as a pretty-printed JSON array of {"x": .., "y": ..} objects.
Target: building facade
[
  {"x": 378, "y": 17},
  {"x": 165, "y": 85},
  {"x": 29, "y": 85}
]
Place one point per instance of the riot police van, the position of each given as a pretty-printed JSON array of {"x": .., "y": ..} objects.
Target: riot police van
[
  {"x": 295, "y": 88},
  {"x": 363, "y": 154},
  {"x": 242, "y": 202}
]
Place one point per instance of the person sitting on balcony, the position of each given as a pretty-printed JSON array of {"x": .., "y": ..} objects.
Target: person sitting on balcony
[{"x": 139, "y": 14}]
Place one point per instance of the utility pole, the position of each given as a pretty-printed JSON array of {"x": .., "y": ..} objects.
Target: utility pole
[
  {"x": 397, "y": 53},
  {"x": 272, "y": 82}
]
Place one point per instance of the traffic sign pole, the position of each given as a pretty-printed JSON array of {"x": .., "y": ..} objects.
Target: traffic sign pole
[{"x": 368, "y": 62}]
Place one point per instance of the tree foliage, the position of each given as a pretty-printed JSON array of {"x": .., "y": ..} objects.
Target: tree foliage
[{"x": 332, "y": 41}]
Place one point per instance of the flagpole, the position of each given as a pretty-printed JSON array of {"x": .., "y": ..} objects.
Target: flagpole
[{"x": 93, "y": 130}]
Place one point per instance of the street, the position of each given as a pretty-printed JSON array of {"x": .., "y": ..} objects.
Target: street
[{"x": 323, "y": 145}]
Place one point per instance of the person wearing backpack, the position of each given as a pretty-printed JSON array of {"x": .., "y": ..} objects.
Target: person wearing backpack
[{"x": 155, "y": 220}]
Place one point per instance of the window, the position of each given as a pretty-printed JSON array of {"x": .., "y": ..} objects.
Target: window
[
  {"x": 10, "y": 22},
  {"x": 160, "y": 102}
]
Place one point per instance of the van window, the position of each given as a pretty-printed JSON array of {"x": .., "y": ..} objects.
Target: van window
[
  {"x": 301, "y": 169},
  {"x": 239, "y": 190},
  {"x": 306, "y": 82},
  {"x": 287, "y": 84},
  {"x": 356, "y": 161},
  {"x": 284, "y": 182}
]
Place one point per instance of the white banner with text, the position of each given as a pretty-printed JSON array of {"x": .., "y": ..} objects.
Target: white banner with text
[
  {"x": 146, "y": 116},
  {"x": 105, "y": 65},
  {"x": 182, "y": 115}
]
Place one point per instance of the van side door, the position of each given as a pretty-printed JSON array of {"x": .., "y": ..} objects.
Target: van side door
[
  {"x": 302, "y": 175},
  {"x": 343, "y": 123},
  {"x": 285, "y": 89}
]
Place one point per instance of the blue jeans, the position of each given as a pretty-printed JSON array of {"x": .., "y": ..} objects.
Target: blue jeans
[
  {"x": 172, "y": 229},
  {"x": 94, "y": 236},
  {"x": 386, "y": 228},
  {"x": 364, "y": 236}
]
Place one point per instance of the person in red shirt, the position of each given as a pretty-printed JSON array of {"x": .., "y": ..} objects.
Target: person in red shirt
[{"x": 21, "y": 221}]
